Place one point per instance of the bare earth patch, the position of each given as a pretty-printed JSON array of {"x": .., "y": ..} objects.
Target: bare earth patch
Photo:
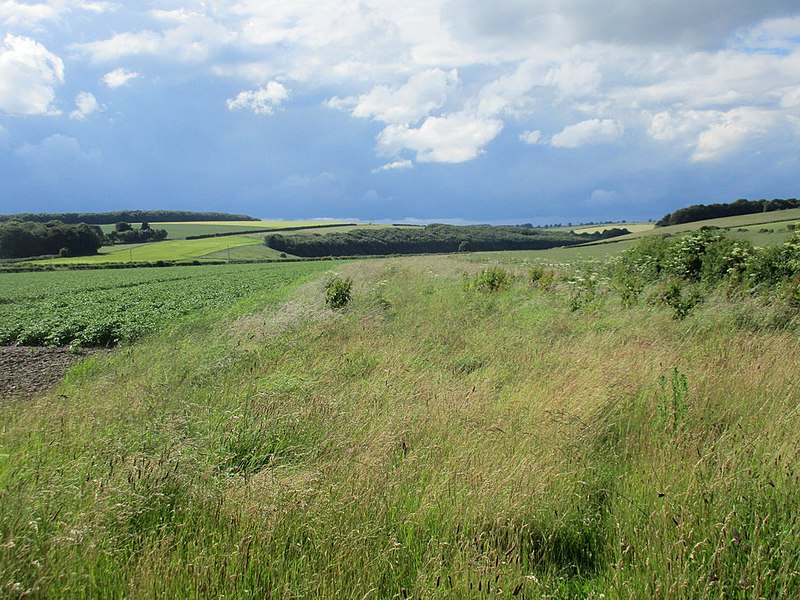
[{"x": 27, "y": 371}]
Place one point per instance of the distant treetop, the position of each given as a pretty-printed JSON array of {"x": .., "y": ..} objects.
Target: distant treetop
[
  {"x": 127, "y": 216},
  {"x": 701, "y": 212}
]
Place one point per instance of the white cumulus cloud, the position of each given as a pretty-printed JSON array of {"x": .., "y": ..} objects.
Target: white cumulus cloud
[
  {"x": 262, "y": 101},
  {"x": 119, "y": 77},
  {"x": 730, "y": 131},
  {"x": 422, "y": 94},
  {"x": 591, "y": 131},
  {"x": 453, "y": 138},
  {"x": 397, "y": 165},
  {"x": 86, "y": 104},
  {"x": 29, "y": 74}
]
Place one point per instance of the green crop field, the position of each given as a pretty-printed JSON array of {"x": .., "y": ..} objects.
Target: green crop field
[
  {"x": 166, "y": 250},
  {"x": 103, "y": 307}
]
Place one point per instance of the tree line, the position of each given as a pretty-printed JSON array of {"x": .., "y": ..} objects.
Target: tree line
[
  {"x": 435, "y": 238},
  {"x": 701, "y": 212},
  {"x": 21, "y": 239},
  {"x": 134, "y": 216}
]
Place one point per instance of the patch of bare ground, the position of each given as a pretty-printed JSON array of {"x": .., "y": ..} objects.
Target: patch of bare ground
[{"x": 27, "y": 371}]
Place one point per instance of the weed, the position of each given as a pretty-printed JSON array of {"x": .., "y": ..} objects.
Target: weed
[
  {"x": 493, "y": 279},
  {"x": 673, "y": 400},
  {"x": 338, "y": 291}
]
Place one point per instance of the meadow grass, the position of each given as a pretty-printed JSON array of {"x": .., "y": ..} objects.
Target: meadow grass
[{"x": 428, "y": 440}]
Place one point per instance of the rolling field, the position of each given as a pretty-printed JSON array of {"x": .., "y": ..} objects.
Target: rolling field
[
  {"x": 767, "y": 219},
  {"x": 632, "y": 227},
  {"x": 181, "y": 229},
  {"x": 166, "y": 250},
  {"x": 431, "y": 440},
  {"x": 104, "y": 307}
]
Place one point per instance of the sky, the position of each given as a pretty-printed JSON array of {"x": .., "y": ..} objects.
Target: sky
[{"x": 515, "y": 111}]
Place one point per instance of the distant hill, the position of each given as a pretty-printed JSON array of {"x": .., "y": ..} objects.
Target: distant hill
[
  {"x": 128, "y": 216},
  {"x": 702, "y": 212}
]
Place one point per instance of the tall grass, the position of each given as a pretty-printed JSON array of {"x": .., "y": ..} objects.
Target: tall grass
[{"x": 430, "y": 440}]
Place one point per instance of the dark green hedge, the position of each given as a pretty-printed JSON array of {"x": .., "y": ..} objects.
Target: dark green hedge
[{"x": 434, "y": 238}]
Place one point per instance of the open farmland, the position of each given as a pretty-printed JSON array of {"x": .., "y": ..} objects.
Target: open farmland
[
  {"x": 767, "y": 219},
  {"x": 104, "y": 307},
  {"x": 166, "y": 250},
  {"x": 182, "y": 229},
  {"x": 457, "y": 430}
]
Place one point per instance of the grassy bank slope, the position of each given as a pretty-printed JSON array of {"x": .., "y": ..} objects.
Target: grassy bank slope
[{"x": 429, "y": 441}]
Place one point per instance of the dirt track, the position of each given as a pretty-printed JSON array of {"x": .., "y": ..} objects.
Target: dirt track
[{"x": 25, "y": 372}]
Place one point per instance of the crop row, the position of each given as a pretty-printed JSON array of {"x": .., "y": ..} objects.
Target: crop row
[{"x": 104, "y": 308}]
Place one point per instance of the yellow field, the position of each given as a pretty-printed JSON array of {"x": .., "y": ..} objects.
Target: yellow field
[{"x": 632, "y": 227}]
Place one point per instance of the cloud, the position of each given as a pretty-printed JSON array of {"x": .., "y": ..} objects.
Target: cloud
[
  {"x": 730, "y": 131},
  {"x": 453, "y": 138},
  {"x": 592, "y": 131},
  {"x": 262, "y": 101},
  {"x": 397, "y": 165},
  {"x": 86, "y": 104},
  {"x": 421, "y": 95},
  {"x": 193, "y": 40},
  {"x": 119, "y": 77},
  {"x": 29, "y": 74},
  {"x": 56, "y": 149},
  {"x": 17, "y": 13},
  {"x": 531, "y": 137},
  {"x": 574, "y": 79},
  {"x": 602, "y": 198},
  {"x": 685, "y": 23}
]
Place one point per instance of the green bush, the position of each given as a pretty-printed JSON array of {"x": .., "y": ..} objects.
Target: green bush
[
  {"x": 679, "y": 297},
  {"x": 493, "y": 279},
  {"x": 338, "y": 291},
  {"x": 540, "y": 277}
]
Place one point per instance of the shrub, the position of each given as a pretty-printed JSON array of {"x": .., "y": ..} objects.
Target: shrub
[
  {"x": 540, "y": 277},
  {"x": 338, "y": 291},
  {"x": 680, "y": 298},
  {"x": 493, "y": 279}
]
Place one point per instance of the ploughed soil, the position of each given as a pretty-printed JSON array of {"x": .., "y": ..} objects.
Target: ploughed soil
[{"x": 27, "y": 371}]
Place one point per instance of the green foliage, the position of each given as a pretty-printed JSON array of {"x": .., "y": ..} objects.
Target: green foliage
[
  {"x": 584, "y": 289},
  {"x": 541, "y": 278},
  {"x": 672, "y": 400},
  {"x": 493, "y": 279},
  {"x": 128, "y": 216},
  {"x": 135, "y": 236},
  {"x": 338, "y": 291},
  {"x": 429, "y": 239},
  {"x": 20, "y": 239},
  {"x": 680, "y": 297}
]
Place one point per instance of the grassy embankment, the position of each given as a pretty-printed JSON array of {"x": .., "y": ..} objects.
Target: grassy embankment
[{"x": 430, "y": 440}]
